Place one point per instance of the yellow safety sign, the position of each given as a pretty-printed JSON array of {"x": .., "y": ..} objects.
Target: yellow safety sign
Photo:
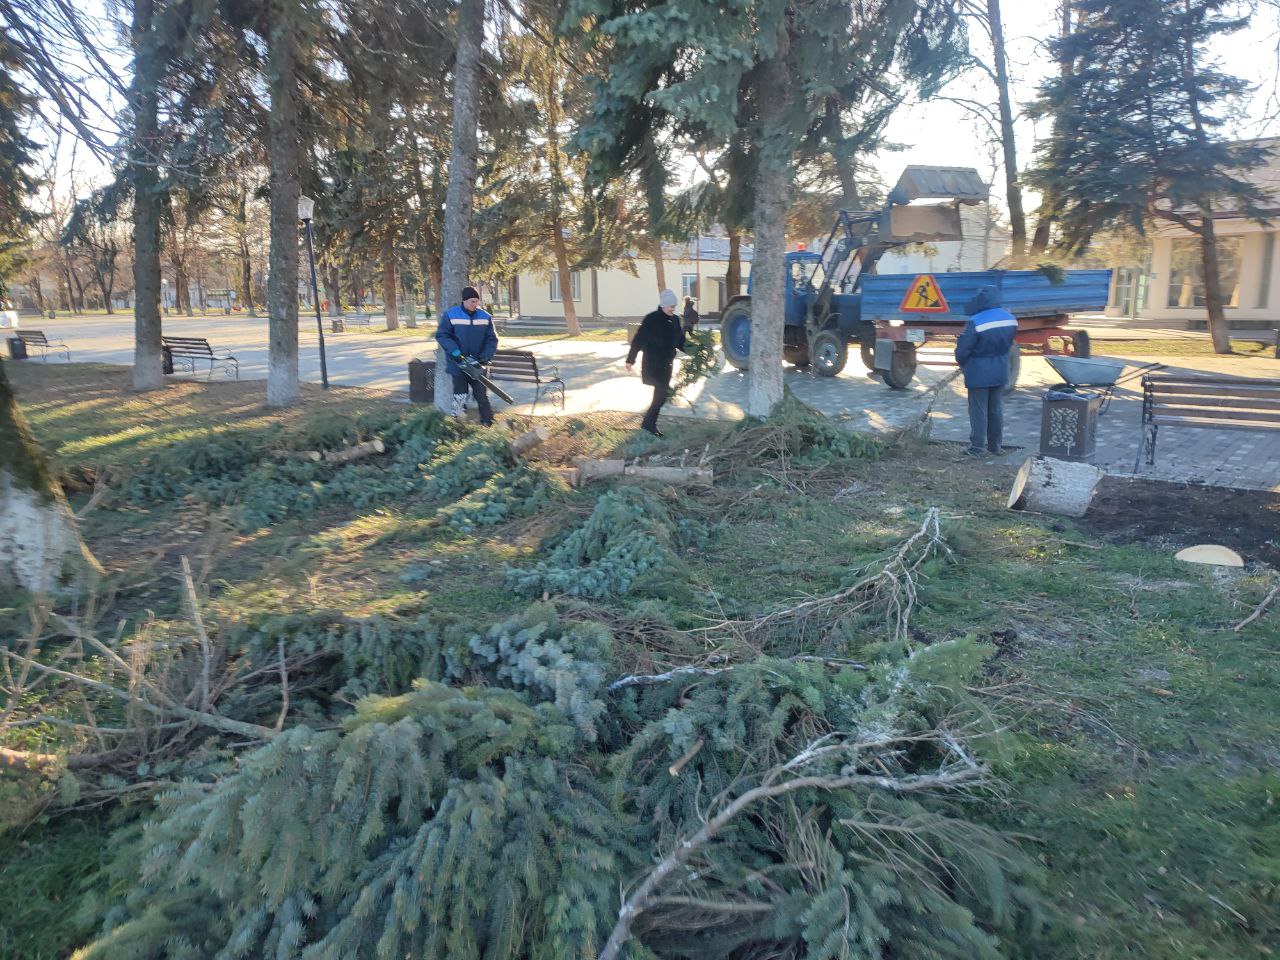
[{"x": 924, "y": 296}]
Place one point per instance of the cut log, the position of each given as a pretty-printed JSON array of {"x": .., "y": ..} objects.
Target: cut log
[
  {"x": 528, "y": 440},
  {"x": 570, "y": 475},
  {"x": 357, "y": 452},
  {"x": 1061, "y": 487},
  {"x": 1212, "y": 554},
  {"x": 39, "y": 539},
  {"x": 596, "y": 469}
]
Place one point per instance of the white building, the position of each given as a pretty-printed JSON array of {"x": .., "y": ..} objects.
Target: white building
[
  {"x": 1170, "y": 286},
  {"x": 986, "y": 242},
  {"x": 618, "y": 294}
]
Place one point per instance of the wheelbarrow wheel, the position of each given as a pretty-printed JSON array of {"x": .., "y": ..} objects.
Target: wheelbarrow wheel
[{"x": 1080, "y": 344}]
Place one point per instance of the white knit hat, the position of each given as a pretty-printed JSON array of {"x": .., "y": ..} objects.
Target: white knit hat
[{"x": 667, "y": 298}]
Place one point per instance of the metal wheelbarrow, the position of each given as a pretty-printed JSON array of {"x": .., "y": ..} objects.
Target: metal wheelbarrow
[{"x": 1094, "y": 372}]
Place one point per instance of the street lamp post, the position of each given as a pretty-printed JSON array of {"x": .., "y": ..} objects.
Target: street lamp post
[{"x": 306, "y": 206}]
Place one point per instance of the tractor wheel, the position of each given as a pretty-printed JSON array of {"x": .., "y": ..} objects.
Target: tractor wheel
[
  {"x": 903, "y": 368},
  {"x": 1015, "y": 365},
  {"x": 1080, "y": 341},
  {"x": 735, "y": 333},
  {"x": 829, "y": 352},
  {"x": 868, "y": 351}
]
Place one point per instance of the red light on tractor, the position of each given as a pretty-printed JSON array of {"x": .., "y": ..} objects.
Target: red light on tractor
[{"x": 800, "y": 247}]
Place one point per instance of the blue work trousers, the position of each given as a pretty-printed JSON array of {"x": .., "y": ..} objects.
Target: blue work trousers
[{"x": 986, "y": 418}]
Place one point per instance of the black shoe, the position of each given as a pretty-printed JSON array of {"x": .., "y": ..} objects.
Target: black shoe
[
  {"x": 654, "y": 430},
  {"x": 970, "y": 451}
]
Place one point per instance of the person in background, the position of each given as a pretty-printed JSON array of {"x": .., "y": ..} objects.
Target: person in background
[
  {"x": 659, "y": 337},
  {"x": 467, "y": 331},
  {"x": 691, "y": 316},
  {"x": 983, "y": 354}
]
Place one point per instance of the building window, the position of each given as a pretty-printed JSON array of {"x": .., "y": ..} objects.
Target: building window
[
  {"x": 689, "y": 285},
  {"x": 1186, "y": 273},
  {"x": 575, "y": 285},
  {"x": 1268, "y": 257}
]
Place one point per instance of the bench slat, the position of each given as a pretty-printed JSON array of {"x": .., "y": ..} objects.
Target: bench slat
[
  {"x": 1209, "y": 424},
  {"x": 1163, "y": 379},
  {"x": 1239, "y": 403},
  {"x": 1192, "y": 413},
  {"x": 1204, "y": 390}
]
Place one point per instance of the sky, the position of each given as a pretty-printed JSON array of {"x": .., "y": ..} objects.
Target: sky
[{"x": 943, "y": 133}]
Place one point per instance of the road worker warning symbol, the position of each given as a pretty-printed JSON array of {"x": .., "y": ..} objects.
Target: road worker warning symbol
[{"x": 923, "y": 296}]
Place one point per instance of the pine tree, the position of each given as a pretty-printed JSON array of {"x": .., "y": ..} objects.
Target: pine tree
[
  {"x": 766, "y": 75},
  {"x": 1137, "y": 124},
  {"x": 17, "y": 152}
]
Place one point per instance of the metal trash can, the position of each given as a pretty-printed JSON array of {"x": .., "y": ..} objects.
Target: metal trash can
[
  {"x": 166, "y": 361},
  {"x": 1069, "y": 423},
  {"x": 17, "y": 349},
  {"x": 422, "y": 381},
  {"x": 632, "y": 330}
]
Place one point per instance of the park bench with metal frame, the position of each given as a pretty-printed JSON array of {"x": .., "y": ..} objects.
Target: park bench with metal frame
[
  {"x": 1214, "y": 402},
  {"x": 188, "y": 351},
  {"x": 356, "y": 320},
  {"x": 521, "y": 366},
  {"x": 36, "y": 339}
]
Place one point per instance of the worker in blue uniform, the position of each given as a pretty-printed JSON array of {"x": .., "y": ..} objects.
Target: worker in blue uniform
[
  {"x": 467, "y": 331},
  {"x": 983, "y": 354}
]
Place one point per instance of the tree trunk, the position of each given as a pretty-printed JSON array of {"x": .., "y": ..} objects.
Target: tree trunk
[
  {"x": 333, "y": 287},
  {"x": 772, "y": 187},
  {"x": 659, "y": 266},
  {"x": 565, "y": 280},
  {"x": 1048, "y": 203},
  {"x": 733, "y": 270},
  {"x": 38, "y": 532},
  {"x": 843, "y": 162},
  {"x": 390, "y": 306},
  {"x": 1017, "y": 219},
  {"x": 282, "y": 282},
  {"x": 182, "y": 288},
  {"x": 460, "y": 196},
  {"x": 246, "y": 278},
  {"x": 1219, "y": 331}
]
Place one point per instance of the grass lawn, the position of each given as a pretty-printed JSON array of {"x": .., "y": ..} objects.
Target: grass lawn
[
  {"x": 1141, "y": 768},
  {"x": 1177, "y": 347}
]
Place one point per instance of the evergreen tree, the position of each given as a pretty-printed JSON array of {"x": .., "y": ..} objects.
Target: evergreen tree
[
  {"x": 17, "y": 152},
  {"x": 764, "y": 74},
  {"x": 1137, "y": 129}
]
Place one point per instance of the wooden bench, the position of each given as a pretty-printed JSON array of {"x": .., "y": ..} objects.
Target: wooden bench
[
  {"x": 521, "y": 366},
  {"x": 356, "y": 320},
  {"x": 1219, "y": 403},
  {"x": 36, "y": 340},
  {"x": 189, "y": 351}
]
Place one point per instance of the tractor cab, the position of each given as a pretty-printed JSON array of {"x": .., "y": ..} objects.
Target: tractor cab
[{"x": 805, "y": 276}]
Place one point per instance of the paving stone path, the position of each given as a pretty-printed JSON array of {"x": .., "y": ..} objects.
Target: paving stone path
[{"x": 598, "y": 381}]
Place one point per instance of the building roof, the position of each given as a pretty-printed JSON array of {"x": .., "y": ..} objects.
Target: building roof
[{"x": 706, "y": 248}]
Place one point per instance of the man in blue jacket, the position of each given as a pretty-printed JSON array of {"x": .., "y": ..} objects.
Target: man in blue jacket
[
  {"x": 467, "y": 331},
  {"x": 983, "y": 354}
]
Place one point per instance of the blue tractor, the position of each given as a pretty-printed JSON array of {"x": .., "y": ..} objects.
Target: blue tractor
[{"x": 834, "y": 299}]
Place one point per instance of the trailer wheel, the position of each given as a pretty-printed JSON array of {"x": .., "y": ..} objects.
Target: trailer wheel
[
  {"x": 1015, "y": 366},
  {"x": 902, "y": 368},
  {"x": 830, "y": 353},
  {"x": 1080, "y": 343},
  {"x": 735, "y": 333},
  {"x": 868, "y": 351}
]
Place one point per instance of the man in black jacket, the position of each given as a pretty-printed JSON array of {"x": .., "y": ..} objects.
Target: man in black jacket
[{"x": 659, "y": 337}]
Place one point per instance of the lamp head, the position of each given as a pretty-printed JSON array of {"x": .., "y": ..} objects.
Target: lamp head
[{"x": 306, "y": 206}]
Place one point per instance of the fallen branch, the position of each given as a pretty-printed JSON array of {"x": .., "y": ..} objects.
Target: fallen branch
[
  {"x": 357, "y": 452},
  {"x": 649, "y": 679},
  {"x": 212, "y": 720},
  {"x": 1259, "y": 609},
  {"x": 645, "y": 895},
  {"x": 894, "y": 586},
  {"x": 597, "y": 469}
]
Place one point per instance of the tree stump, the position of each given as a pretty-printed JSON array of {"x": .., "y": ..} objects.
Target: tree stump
[
  {"x": 1045, "y": 485},
  {"x": 528, "y": 440}
]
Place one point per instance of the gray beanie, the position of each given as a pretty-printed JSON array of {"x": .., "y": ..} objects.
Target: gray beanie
[{"x": 667, "y": 298}]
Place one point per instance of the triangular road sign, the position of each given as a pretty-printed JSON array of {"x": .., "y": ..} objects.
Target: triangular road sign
[{"x": 924, "y": 296}]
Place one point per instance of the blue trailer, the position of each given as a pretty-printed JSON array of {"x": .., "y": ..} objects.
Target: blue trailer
[{"x": 834, "y": 297}]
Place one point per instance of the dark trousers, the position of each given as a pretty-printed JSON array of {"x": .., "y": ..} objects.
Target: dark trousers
[
  {"x": 986, "y": 418},
  {"x": 660, "y": 394},
  {"x": 462, "y": 384}
]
